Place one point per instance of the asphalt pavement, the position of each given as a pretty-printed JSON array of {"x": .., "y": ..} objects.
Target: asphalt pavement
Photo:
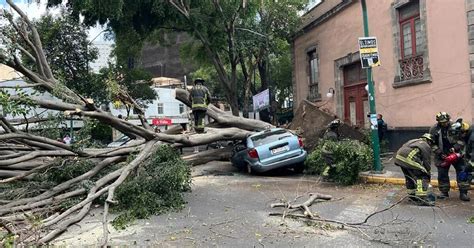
[{"x": 227, "y": 208}]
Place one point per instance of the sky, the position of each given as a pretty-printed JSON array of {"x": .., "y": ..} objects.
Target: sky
[{"x": 35, "y": 10}]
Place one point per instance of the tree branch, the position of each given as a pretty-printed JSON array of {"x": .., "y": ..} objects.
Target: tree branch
[{"x": 36, "y": 39}]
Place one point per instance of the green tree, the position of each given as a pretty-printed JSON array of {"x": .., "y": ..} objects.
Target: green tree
[
  {"x": 213, "y": 23},
  {"x": 68, "y": 52},
  {"x": 266, "y": 39},
  {"x": 237, "y": 37}
]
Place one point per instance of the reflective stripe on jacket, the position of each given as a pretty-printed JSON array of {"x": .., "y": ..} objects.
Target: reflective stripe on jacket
[
  {"x": 415, "y": 154},
  {"x": 199, "y": 97}
]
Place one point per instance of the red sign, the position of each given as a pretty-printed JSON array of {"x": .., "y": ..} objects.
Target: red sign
[{"x": 161, "y": 121}]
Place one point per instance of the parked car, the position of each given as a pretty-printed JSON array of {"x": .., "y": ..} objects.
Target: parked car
[
  {"x": 268, "y": 150},
  {"x": 123, "y": 140}
]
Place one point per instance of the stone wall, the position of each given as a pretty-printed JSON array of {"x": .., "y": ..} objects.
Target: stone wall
[{"x": 470, "y": 35}]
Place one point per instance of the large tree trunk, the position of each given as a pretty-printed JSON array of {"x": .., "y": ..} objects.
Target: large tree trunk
[
  {"x": 265, "y": 114},
  {"x": 23, "y": 155},
  {"x": 248, "y": 73}
]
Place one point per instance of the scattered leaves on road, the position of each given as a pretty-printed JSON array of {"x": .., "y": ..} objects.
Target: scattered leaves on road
[{"x": 470, "y": 220}]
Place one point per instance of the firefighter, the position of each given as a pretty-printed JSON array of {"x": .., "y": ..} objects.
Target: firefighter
[
  {"x": 459, "y": 135},
  {"x": 414, "y": 158},
  {"x": 199, "y": 97},
  {"x": 441, "y": 147},
  {"x": 332, "y": 132}
]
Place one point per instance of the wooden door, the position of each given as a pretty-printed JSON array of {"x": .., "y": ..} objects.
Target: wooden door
[{"x": 356, "y": 105}]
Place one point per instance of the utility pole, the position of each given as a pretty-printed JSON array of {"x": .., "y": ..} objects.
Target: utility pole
[{"x": 373, "y": 112}]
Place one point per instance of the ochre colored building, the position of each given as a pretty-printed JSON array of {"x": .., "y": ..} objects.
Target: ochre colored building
[{"x": 426, "y": 51}]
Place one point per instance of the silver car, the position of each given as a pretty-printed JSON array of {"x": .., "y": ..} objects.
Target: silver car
[{"x": 268, "y": 150}]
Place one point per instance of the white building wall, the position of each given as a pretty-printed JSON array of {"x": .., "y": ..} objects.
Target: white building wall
[
  {"x": 103, "y": 56},
  {"x": 165, "y": 96},
  {"x": 34, "y": 112}
]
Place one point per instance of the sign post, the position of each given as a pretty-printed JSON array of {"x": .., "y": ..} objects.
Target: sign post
[
  {"x": 369, "y": 53},
  {"x": 261, "y": 100},
  {"x": 369, "y": 56}
]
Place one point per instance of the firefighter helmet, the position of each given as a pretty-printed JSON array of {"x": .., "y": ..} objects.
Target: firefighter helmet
[
  {"x": 464, "y": 127},
  {"x": 428, "y": 137},
  {"x": 199, "y": 80},
  {"x": 335, "y": 123},
  {"x": 460, "y": 126},
  {"x": 442, "y": 117}
]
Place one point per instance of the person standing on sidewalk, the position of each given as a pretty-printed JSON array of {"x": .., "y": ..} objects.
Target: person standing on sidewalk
[
  {"x": 459, "y": 135},
  {"x": 414, "y": 158},
  {"x": 381, "y": 127},
  {"x": 441, "y": 148}
]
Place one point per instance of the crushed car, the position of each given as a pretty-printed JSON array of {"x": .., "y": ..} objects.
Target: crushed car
[{"x": 268, "y": 150}]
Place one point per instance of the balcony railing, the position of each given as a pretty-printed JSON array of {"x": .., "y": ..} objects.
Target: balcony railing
[
  {"x": 411, "y": 68},
  {"x": 313, "y": 93}
]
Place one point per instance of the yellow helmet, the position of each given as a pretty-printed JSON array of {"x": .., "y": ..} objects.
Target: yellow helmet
[
  {"x": 442, "y": 117},
  {"x": 464, "y": 127},
  {"x": 428, "y": 137},
  {"x": 459, "y": 127}
]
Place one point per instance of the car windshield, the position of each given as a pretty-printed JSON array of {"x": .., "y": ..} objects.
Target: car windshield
[
  {"x": 122, "y": 139},
  {"x": 268, "y": 137}
]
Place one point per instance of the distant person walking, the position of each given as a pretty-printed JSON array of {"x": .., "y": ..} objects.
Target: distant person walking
[{"x": 381, "y": 127}]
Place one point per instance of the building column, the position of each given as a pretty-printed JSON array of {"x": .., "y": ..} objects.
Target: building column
[
  {"x": 293, "y": 76},
  {"x": 470, "y": 35}
]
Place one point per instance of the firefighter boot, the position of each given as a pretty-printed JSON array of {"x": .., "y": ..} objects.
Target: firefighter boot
[
  {"x": 443, "y": 195},
  {"x": 463, "y": 196}
]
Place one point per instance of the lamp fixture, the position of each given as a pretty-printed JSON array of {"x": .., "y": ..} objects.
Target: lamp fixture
[{"x": 331, "y": 92}]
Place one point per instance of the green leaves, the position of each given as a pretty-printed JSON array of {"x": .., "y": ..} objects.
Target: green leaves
[
  {"x": 21, "y": 104},
  {"x": 340, "y": 161},
  {"x": 470, "y": 220},
  {"x": 157, "y": 187}
]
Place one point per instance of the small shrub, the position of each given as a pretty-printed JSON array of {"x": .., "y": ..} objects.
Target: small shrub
[
  {"x": 349, "y": 157},
  {"x": 157, "y": 187}
]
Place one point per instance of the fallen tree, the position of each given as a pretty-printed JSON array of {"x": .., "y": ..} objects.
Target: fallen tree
[{"x": 39, "y": 214}]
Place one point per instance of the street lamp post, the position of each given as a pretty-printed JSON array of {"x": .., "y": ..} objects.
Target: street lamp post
[{"x": 370, "y": 83}]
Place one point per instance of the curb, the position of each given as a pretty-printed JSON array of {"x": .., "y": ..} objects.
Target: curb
[{"x": 399, "y": 181}]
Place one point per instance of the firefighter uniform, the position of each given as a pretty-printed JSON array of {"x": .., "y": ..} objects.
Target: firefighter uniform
[
  {"x": 469, "y": 160},
  {"x": 332, "y": 132},
  {"x": 199, "y": 97},
  {"x": 442, "y": 147},
  {"x": 459, "y": 136},
  {"x": 414, "y": 158}
]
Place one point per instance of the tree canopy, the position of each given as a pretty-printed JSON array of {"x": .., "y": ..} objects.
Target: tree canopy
[{"x": 231, "y": 34}]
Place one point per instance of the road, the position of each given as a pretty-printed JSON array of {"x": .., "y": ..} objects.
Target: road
[{"x": 227, "y": 208}]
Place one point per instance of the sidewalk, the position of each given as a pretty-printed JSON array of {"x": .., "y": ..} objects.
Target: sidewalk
[{"x": 392, "y": 174}]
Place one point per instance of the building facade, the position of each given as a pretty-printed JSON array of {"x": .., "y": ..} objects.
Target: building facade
[
  {"x": 164, "y": 60},
  {"x": 162, "y": 112},
  {"x": 104, "y": 50},
  {"x": 426, "y": 50}
]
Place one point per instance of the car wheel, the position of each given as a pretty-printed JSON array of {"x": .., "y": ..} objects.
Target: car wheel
[{"x": 299, "y": 168}]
